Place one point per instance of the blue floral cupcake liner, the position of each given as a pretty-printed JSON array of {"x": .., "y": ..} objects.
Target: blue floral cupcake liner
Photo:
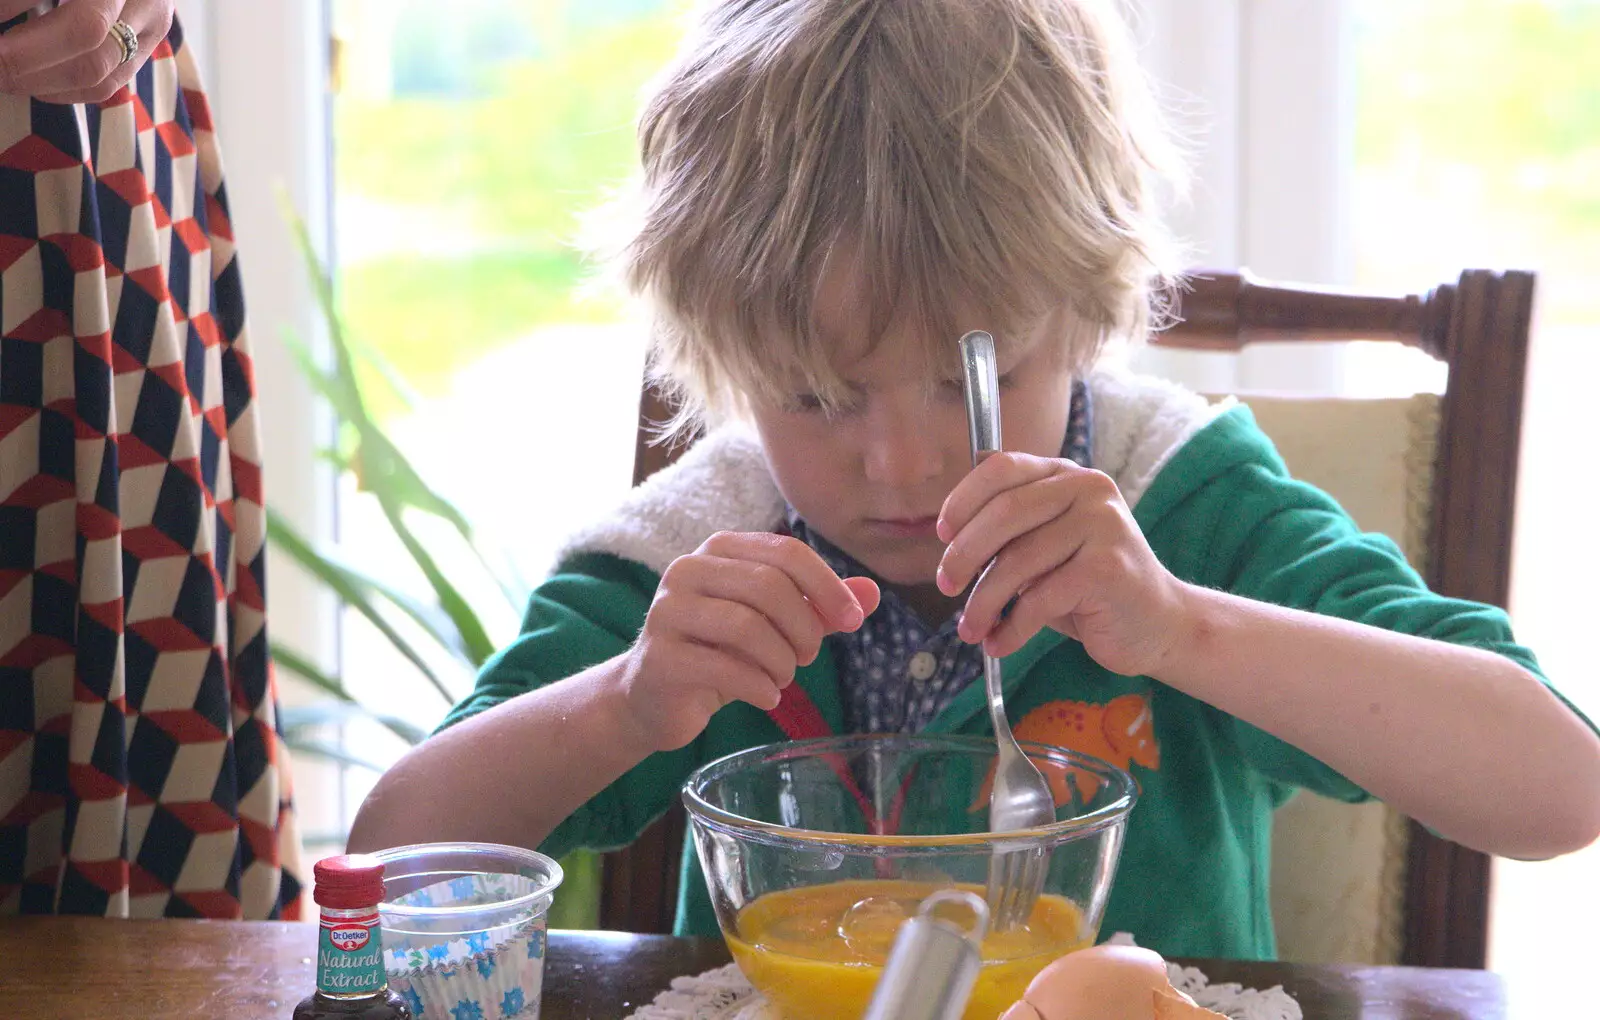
[{"x": 486, "y": 975}]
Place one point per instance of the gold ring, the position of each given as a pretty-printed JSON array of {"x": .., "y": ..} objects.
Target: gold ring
[{"x": 127, "y": 39}]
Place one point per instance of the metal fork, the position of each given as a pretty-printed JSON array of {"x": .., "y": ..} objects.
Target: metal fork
[{"x": 1020, "y": 797}]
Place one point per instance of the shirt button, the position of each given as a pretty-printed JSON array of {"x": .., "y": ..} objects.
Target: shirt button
[{"x": 922, "y": 666}]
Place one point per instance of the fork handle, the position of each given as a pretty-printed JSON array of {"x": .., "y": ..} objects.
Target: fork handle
[
  {"x": 997, "y": 705},
  {"x": 981, "y": 387}
]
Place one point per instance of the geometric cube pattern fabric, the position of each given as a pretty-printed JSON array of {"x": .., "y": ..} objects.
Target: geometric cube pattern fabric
[{"x": 142, "y": 773}]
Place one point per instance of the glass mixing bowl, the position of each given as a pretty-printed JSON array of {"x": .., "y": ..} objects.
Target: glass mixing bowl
[{"x": 815, "y": 851}]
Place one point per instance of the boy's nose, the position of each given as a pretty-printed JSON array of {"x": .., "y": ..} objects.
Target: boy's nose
[{"x": 900, "y": 450}]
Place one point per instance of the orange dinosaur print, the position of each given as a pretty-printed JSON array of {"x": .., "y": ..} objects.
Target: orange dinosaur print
[{"x": 1120, "y": 732}]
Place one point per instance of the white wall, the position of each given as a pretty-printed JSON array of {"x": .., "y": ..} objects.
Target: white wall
[{"x": 1260, "y": 89}]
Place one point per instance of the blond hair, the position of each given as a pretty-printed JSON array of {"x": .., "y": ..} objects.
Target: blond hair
[{"x": 996, "y": 154}]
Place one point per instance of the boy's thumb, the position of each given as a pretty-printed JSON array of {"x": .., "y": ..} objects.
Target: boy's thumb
[{"x": 866, "y": 592}]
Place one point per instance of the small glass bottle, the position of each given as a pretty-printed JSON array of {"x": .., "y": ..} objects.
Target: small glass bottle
[{"x": 351, "y": 983}]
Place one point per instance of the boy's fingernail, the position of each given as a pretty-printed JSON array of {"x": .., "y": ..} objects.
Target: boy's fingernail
[
  {"x": 942, "y": 530},
  {"x": 853, "y": 617},
  {"x": 941, "y": 580}
]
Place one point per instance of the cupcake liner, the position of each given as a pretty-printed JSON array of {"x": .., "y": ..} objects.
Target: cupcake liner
[{"x": 487, "y": 975}]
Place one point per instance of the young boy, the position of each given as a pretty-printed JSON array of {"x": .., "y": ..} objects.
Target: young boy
[{"x": 835, "y": 190}]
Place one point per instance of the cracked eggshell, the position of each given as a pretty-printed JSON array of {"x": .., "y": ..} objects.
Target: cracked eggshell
[{"x": 1105, "y": 983}]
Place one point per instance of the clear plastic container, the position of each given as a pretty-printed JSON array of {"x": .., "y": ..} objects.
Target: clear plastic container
[{"x": 466, "y": 922}]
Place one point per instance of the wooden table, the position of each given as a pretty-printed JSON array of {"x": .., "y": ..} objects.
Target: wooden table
[{"x": 86, "y": 969}]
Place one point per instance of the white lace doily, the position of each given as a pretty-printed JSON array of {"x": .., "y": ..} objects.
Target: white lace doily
[{"x": 724, "y": 994}]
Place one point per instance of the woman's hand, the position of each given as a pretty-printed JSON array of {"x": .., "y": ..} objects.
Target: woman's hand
[
  {"x": 1067, "y": 550},
  {"x": 74, "y": 53}
]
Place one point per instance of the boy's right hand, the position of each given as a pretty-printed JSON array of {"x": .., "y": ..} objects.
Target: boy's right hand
[{"x": 732, "y": 621}]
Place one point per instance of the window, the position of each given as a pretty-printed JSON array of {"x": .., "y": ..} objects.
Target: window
[
  {"x": 1477, "y": 143},
  {"x": 466, "y": 149},
  {"x": 1338, "y": 141}
]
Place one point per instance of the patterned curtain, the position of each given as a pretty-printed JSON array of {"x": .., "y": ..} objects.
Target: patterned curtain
[{"x": 141, "y": 771}]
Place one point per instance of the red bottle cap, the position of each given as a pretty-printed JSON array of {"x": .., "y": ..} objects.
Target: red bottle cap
[{"x": 348, "y": 882}]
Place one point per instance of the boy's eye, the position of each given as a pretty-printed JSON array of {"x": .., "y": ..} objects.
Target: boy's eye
[
  {"x": 807, "y": 402},
  {"x": 813, "y": 403},
  {"x": 957, "y": 388},
  {"x": 810, "y": 403}
]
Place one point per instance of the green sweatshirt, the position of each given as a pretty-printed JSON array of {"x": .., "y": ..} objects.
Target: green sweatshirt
[{"x": 1218, "y": 508}]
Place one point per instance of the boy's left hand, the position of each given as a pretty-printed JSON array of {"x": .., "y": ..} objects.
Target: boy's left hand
[{"x": 1066, "y": 547}]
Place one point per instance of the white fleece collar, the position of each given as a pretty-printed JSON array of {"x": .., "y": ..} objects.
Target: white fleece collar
[
  {"x": 722, "y": 482},
  {"x": 1139, "y": 422}
]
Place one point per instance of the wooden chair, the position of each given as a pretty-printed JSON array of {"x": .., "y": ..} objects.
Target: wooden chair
[{"x": 1448, "y": 466}]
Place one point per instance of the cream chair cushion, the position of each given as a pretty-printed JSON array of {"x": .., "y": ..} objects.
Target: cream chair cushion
[{"x": 1338, "y": 870}]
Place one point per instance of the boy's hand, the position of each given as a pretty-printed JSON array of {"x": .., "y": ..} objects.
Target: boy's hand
[
  {"x": 731, "y": 621},
  {"x": 1066, "y": 547}
]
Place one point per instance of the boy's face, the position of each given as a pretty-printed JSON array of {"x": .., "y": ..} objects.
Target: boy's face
[{"x": 872, "y": 477}]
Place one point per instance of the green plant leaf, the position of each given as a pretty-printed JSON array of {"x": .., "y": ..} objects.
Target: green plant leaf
[
  {"x": 385, "y": 471},
  {"x": 329, "y": 752},
  {"x": 397, "y": 383},
  {"x": 322, "y": 290},
  {"x": 325, "y": 381},
  {"x": 511, "y": 584},
  {"x": 352, "y": 589},
  {"x": 378, "y": 464},
  {"x": 474, "y": 638},
  {"x": 302, "y": 667},
  {"x": 430, "y": 618},
  {"x": 381, "y": 467},
  {"x": 293, "y": 718}
]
